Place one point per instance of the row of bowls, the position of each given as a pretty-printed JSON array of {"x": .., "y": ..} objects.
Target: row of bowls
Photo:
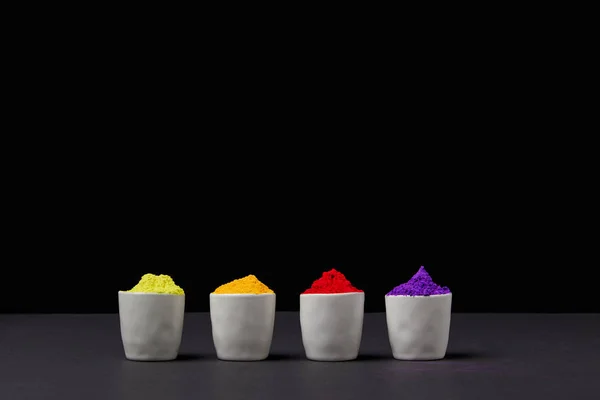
[{"x": 242, "y": 325}]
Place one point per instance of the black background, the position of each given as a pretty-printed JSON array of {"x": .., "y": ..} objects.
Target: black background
[
  {"x": 502, "y": 237},
  {"x": 466, "y": 165}
]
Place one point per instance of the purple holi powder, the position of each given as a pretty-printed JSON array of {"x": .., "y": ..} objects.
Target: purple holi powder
[{"x": 420, "y": 284}]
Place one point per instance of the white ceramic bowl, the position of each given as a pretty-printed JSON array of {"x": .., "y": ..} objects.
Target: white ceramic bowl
[
  {"x": 151, "y": 325},
  {"x": 332, "y": 325},
  {"x": 242, "y": 325},
  {"x": 418, "y": 326}
]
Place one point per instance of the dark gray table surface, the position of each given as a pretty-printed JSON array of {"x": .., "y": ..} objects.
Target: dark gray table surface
[{"x": 490, "y": 356}]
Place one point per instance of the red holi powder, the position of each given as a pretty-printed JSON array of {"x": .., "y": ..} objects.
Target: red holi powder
[{"x": 331, "y": 282}]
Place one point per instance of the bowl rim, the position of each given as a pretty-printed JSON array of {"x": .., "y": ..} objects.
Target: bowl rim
[
  {"x": 148, "y": 293},
  {"x": 242, "y": 294},
  {"x": 332, "y": 294},
  {"x": 404, "y": 296}
]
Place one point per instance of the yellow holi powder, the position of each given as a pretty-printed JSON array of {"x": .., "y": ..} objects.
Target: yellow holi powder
[
  {"x": 162, "y": 284},
  {"x": 247, "y": 285}
]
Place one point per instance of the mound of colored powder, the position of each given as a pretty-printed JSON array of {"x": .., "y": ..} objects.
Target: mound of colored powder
[
  {"x": 420, "y": 284},
  {"x": 162, "y": 284},
  {"x": 248, "y": 285},
  {"x": 331, "y": 282}
]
